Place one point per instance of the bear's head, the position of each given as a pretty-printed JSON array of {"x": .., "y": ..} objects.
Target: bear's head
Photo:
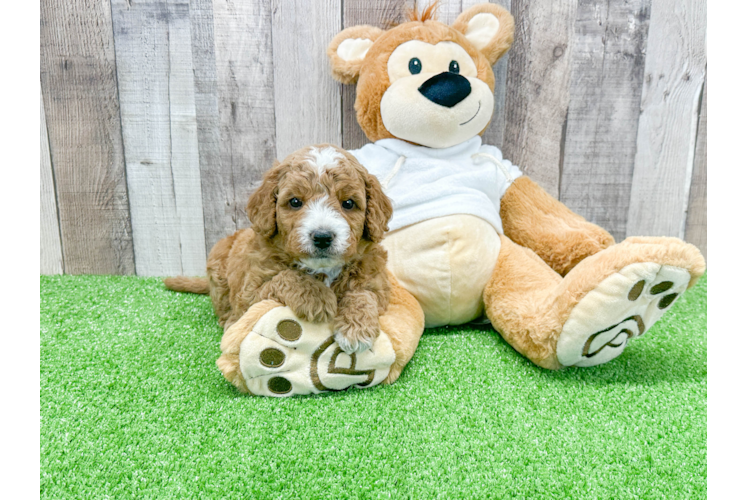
[{"x": 423, "y": 81}]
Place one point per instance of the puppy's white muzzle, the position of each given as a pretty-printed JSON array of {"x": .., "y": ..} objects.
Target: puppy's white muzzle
[{"x": 324, "y": 232}]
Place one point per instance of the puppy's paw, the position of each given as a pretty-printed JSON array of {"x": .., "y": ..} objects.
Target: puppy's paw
[
  {"x": 355, "y": 339},
  {"x": 319, "y": 309},
  {"x": 315, "y": 313}
]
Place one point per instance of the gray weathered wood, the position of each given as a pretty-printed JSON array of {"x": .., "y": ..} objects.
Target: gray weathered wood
[
  {"x": 85, "y": 139},
  {"x": 307, "y": 100},
  {"x": 696, "y": 217},
  {"x": 216, "y": 181},
  {"x": 212, "y": 91},
  {"x": 154, "y": 71},
  {"x": 537, "y": 96},
  {"x": 605, "y": 95},
  {"x": 673, "y": 78},
  {"x": 447, "y": 10},
  {"x": 246, "y": 112},
  {"x": 50, "y": 246},
  {"x": 382, "y": 14}
]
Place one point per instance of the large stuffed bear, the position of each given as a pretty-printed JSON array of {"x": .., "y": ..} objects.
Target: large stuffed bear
[{"x": 471, "y": 238}]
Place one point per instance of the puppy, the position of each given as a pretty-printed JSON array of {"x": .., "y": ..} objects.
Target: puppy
[{"x": 317, "y": 221}]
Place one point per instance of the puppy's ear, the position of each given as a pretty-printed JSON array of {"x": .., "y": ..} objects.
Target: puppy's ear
[
  {"x": 378, "y": 210},
  {"x": 348, "y": 49},
  {"x": 489, "y": 28},
  {"x": 261, "y": 204}
]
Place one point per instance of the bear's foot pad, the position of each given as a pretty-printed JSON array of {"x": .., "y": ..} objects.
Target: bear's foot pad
[
  {"x": 285, "y": 356},
  {"x": 623, "y": 306}
]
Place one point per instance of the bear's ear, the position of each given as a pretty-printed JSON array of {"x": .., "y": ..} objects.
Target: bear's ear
[
  {"x": 348, "y": 49},
  {"x": 489, "y": 28}
]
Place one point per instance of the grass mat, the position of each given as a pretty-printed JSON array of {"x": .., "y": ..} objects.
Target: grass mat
[{"x": 132, "y": 405}]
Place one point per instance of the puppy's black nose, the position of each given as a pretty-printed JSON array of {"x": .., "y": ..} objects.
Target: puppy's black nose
[
  {"x": 322, "y": 240},
  {"x": 446, "y": 89}
]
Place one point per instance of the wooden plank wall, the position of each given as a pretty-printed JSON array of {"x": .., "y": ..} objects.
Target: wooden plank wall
[{"x": 159, "y": 117}]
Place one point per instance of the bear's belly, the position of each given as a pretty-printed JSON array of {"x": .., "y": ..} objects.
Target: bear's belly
[{"x": 445, "y": 263}]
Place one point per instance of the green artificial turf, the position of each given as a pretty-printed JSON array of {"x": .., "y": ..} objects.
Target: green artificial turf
[{"x": 132, "y": 405}]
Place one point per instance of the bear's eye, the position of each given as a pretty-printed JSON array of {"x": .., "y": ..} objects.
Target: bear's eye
[
  {"x": 348, "y": 204},
  {"x": 454, "y": 67},
  {"x": 414, "y": 66},
  {"x": 295, "y": 203}
]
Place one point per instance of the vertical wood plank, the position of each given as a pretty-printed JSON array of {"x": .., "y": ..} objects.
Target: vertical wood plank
[
  {"x": 154, "y": 70},
  {"x": 85, "y": 139},
  {"x": 673, "y": 79},
  {"x": 379, "y": 13},
  {"x": 307, "y": 100},
  {"x": 537, "y": 96},
  {"x": 216, "y": 182},
  {"x": 447, "y": 10},
  {"x": 696, "y": 217},
  {"x": 605, "y": 94},
  {"x": 246, "y": 111},
  {"x": 50, "y": 246}
]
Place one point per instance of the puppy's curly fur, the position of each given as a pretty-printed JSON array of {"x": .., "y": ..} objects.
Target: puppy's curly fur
[{"x": 277, "y": 259}]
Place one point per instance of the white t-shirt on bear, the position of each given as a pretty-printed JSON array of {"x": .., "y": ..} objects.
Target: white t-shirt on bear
[{"x": 424, "y": 183}]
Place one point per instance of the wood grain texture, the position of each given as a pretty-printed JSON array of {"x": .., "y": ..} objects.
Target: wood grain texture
[
  {"x": 154, "y": 71},
  {"x": 696, "y": 217},
  {"x": 85, "y": 139},
  {"x": 379, "y": 13},
  {"x": 50, "y": 245},
  {"x": 246, "y": 111},
  {"x": 216, "y": 182},
  {"x": 605, "y": 94},
  {"x": 447, "y": 10},
  {"x": 537, "y": 97},
  {"x": 673, "y": 80},
  {"x": 307, "y": 100}
]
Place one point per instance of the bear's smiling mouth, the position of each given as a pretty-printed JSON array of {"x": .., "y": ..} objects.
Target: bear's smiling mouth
[{"x": 471, "y": 119}]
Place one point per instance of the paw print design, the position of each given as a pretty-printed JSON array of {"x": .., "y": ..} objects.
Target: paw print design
[
  {"x": 285, "y": 356},
  {"x": 622, "y": 307}
]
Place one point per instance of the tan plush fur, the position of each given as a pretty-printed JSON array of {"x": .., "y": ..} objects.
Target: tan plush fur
[
  {"x": 232, "y": 340},
  {"x": 502, "y": 41},
  {"x": 528, "y": 303},
  {"x": 534, "y": 219},
  {"x": 550, "y": 258},
  {"x": 373, "y": 79},
  {"x": 347, "y": 71},
  {"x": 403, "y": 322}
]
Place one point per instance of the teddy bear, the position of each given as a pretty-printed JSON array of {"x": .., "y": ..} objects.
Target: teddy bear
[{"x": 471, "y": 237}]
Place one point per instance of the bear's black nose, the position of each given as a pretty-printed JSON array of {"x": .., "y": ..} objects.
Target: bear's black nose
[
  {"x": 322, "y": 240},
  {"x": 445, "y": 89}
]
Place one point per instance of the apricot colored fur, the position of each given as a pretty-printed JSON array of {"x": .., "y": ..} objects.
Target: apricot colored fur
[{"x": 262, "y": 262}]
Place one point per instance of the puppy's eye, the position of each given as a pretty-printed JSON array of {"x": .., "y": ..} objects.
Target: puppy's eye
[
  {"x": 414, "y": 66},
  {"x": 454, "y": 67},
  {"x": 295, "y": 203},
  {"x": 348, "y": 204}
]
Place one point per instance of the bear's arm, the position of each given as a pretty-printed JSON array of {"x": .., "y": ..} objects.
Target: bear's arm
[{"x": 534, "y": 219}]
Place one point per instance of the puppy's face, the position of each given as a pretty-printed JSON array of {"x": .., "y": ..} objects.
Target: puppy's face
[{"x": 320, "y": 205}]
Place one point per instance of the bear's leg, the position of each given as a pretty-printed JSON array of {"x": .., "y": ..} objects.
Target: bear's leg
[
  {"x": 588, "y": 317},
  {"x": 534, "y": 219},
  {"x": 403, "y": 322},
  {"x": 269, "y": 351},
  {"x": 519, "y": 300}
]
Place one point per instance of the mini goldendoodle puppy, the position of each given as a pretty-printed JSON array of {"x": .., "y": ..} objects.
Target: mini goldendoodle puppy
[{"x": 317, "y": 221}]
